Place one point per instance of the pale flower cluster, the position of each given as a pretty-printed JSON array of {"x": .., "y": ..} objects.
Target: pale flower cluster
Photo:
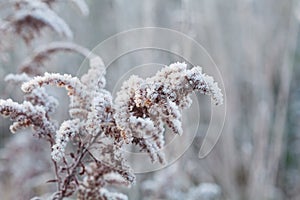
[
  {"x": 143, "y": 106},
  {"x": 26, "y": 115}
]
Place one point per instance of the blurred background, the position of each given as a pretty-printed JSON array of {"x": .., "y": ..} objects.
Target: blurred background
[{"x": 254, "y": 43}]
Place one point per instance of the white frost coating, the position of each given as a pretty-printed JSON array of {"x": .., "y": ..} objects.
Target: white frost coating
[
  {"x": 142, "y": 108},
  {"x": 205, "y": 84},
  {"x": 76, "y": 90},
  {"x": 38, "y": 96},
  {"x": 101, "y": 103},
  {"x": 41, "y": 12},
  {"x": 94, "y": 79},
  {"x": 67, "y": 131},
  {"x": 50, "y": 18},
  {"x": 66, "y": 80},
  {"x": 17, "y": 78},
  {"x": 143, "y": 126},
  {"x": 115, "y": 178},
  {"x": 143, "y": 105},
  {"x": 26, "y": 115}
]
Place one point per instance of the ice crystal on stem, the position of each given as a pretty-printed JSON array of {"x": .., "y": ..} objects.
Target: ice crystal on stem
[
  {"x": 67, "y": 131},
  {"x": 38, "y": 96},
  {"x": 72, "y": 84},
  {"x": 26, "y": 115},
  {"x": 76, "y": 90}
]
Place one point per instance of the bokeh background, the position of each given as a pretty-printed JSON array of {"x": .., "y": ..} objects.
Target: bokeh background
[{"x": 255, "y": 44}]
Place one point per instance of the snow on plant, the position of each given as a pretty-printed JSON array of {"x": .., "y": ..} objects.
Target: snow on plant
[
  {"x": 144, "y": 106},
  {"x": 28, "y": 17},
  {"x": 139, "y": 114}
]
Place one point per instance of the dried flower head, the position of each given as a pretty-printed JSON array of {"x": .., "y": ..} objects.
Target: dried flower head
[
  {"x": 30, "y": 17},
  {"x": 27, "y": 115},
  {"x": 143, "y": 106},
  {"x": 138, "y": 115}
]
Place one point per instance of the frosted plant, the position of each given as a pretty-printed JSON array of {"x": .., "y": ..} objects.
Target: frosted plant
[
  {"x": 34, "y": 64},
  {"x": 26, "y": 115},
  {"x": 67, "y": 131},
  {"x": 87, "y": 149},
  {"x": 138, "y": 115},
  {"x": 28, "y": 17},
  {"x": 144, "y": 106},
  {"x": 38, "y": 96}
]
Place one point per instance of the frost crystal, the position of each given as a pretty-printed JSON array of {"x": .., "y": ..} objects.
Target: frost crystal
[
  {"x": 26, "y": 115},
  {"x": 38, "y": 96},
  {"x": 143, "y": 106},
  {"x": 67, "y": 131},
  {"x": 76, "y": 90},
  {"x": 72, "y": 84}
]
